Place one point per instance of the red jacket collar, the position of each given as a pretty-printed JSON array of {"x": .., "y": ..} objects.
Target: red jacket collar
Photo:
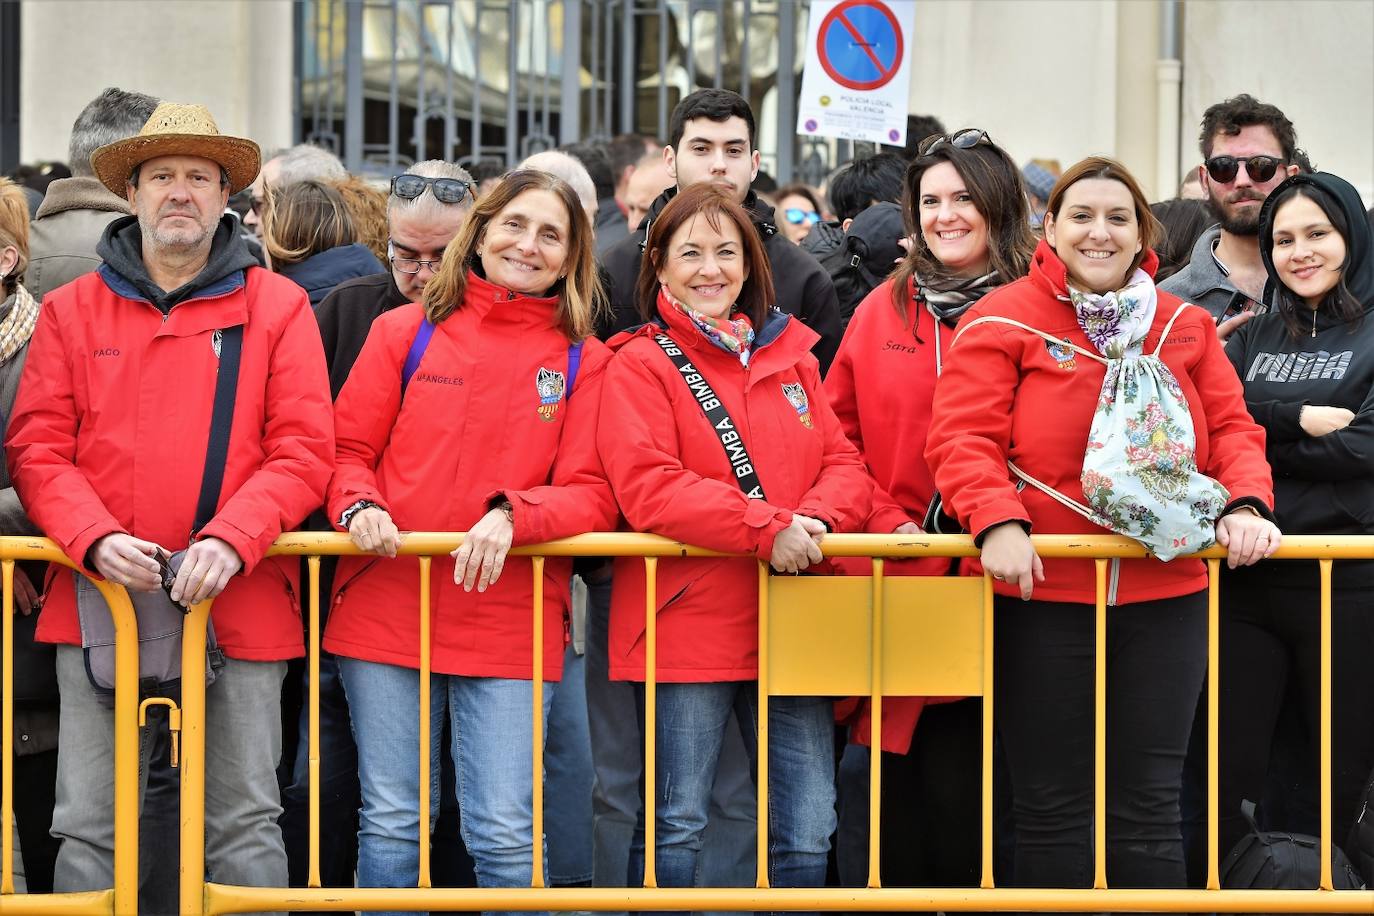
[
  {"x": 1048, "y": 272},
  {"x": 482, "y": 295}
]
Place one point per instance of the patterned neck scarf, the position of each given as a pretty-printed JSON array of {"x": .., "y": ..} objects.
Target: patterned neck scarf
[
  {"x": 17, "y": 327},
  {"x": 1116, "y": 323},
  {"x": 948, "y": 299},
  {"x": 734, "y": 335}
]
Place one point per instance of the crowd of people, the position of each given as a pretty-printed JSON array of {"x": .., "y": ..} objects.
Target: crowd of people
[{"x": 201, "y": 349}]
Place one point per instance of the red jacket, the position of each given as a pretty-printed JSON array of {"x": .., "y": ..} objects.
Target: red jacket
[
  {"x": 671, "y": 477},
  {"x": 1004, "y": 395},
  {"x": 882, "y": 387},
  {"x": 471, "y": 429},
  {"x": 111, "y": 425}
]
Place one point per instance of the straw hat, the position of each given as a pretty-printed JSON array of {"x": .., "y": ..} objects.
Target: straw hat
[{"x": 177, "y": 130}]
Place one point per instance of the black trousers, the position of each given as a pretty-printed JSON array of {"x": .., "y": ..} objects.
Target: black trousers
[
  {"x": 932, "y": 801},
  {"x": 1270, "y": 656},
  {"x": 1044, "y": 685}
]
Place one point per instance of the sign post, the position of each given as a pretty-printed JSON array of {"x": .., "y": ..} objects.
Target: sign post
[{"x": 857, "y": 78}]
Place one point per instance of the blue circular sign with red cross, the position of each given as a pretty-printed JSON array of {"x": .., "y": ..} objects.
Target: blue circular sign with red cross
[{"x": 860, "y": 44}]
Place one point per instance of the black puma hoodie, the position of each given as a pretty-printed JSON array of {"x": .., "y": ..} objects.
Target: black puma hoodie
[{"x": 1322, "y": 484}]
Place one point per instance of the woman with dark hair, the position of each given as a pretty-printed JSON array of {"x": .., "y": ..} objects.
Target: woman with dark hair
[
  {"x": 1308, "y": 373},
  {"x": 310, "y": 238},
  {"x": 720, "y": 436},
  {"x": 799, "y": 209},
  {"x": 1081, "y": 400},
  {"x": 1183, "y": 221},
  {"x": 966, "y": 212},
  {"x": 475, "y": 412}
]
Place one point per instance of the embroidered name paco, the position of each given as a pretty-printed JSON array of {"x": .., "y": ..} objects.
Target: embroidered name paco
[{"x": 106, "y": 351}]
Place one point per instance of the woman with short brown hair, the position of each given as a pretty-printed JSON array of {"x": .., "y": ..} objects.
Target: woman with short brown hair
[{"x": 720, "y": 435}]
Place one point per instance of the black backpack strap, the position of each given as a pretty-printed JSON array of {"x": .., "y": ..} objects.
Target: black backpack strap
[
  {"x": 717, "y": 416},
  {"x": 221, "y": 420}
]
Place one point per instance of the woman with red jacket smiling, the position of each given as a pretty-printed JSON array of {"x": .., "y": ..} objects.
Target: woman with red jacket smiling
[
  {"x": 1009, "y": 395},
  {"x": 492, "y": 436},
  {"x": 966, "y": 213},
  {"x": 705, "y": 288}
]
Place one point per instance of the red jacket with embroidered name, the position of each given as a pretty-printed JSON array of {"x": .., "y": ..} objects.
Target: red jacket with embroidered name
[
  {"x": 111, "y": 427},
  {"x": 486, "y": 416},
  {"x": 671, "y": 477},
  {"x": 1008, "y": 394}
]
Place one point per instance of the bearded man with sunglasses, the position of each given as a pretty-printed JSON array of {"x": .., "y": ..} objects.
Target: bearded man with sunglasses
[{"x": 1248, "y": 147}]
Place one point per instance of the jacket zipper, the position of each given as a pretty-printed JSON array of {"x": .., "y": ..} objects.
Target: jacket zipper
[{"x": 1113, "y": 580}]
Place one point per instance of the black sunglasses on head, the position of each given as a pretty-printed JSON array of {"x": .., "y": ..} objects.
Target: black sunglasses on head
[
  {"x": 967, "y": 138},
  {"x": 446, "y": 190},
  {"x": 1225, "y": 168}
]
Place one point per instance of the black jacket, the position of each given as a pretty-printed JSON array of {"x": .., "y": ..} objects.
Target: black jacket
[
  {"x": 346, "y": 315},
  {"x": 319, "y": 274},
  {"x": 1322, "y": 484},
  {"x": 803, "y": 287}
]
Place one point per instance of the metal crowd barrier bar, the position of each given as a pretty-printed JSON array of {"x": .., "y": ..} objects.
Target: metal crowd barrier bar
[
  {"x": 123, "y": 897},
  {"x": 861, "y": 627}
]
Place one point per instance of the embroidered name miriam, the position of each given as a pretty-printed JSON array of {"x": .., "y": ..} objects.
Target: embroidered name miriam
[{"x": 1297, "y": 367}]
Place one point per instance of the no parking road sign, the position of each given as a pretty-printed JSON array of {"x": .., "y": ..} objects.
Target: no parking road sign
[
  {"x": 860, "y": 44},
  {"x": 857, "y": 76}
]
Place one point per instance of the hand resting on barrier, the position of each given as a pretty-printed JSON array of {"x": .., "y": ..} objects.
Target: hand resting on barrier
[
  {"x": 373, "y": 530},
  {"x": 482, "y": 556},
  {"x": 1009, "y": 556},
  {"x": 798, "y": 545},
  {"x": 206, "y": 569},
  {"x": 128, "y": 561}
]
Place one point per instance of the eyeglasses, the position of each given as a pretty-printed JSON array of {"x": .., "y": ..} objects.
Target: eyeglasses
[
  {"x": 409, "y": 265},
  {"x": 967, "y": 138},
  {"x": 446, "y": 190},
  {"x": 797, "y": 216},
  {"x": 1225, "y": 168}
]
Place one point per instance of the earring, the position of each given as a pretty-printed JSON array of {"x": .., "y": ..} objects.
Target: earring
[{"x": 479, "y": 252}]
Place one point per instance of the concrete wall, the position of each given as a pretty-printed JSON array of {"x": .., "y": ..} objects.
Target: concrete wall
[
  {"x": 1313, "y": 59},
  {"x": 233, "y": 57},
  {"x": 1059, "y": 79}
]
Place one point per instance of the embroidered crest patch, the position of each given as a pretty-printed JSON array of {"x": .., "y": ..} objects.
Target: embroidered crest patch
[
  {"x": 550, "y": 385},
  {"x": 796, "y": 396},
  {"x": 1062, "y": 355}
]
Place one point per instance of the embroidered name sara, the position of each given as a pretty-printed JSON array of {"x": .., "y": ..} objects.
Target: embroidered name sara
[{"x": 1297, "y": 367}]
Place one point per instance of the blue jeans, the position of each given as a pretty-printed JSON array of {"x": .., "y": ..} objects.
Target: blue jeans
[
  {"x": 692, "y": 720},
  {"x": 492, "y": 725},
  {"x": 568, "y": 792}
]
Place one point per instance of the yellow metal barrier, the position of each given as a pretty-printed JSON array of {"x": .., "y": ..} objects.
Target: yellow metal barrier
[
  {"x": 881, "y": 634},
  {"x": 123, "y": 897}
]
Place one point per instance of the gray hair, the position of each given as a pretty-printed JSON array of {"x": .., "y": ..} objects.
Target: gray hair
[
  {"x": 427, "y": 206},
  {"x": 561, "y": 165},
  {"x": 307, "y": 162},
  {"x": 113, "y": 115}
]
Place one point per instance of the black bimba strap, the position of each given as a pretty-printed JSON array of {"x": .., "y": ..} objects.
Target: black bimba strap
[
  {"x": 221, "y": 420},
  {"x": 718, "y": 417}
]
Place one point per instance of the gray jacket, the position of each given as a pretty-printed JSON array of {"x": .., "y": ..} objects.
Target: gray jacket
[
  {"x": 1204, "y": 283},
  {"x": 62, "y": 236}
]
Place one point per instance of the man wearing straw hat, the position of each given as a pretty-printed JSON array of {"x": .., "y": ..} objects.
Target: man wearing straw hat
[{"x": 111, "y": 449}]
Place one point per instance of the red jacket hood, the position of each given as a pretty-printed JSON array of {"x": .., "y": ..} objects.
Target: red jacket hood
[{"x": 1048, "y": 272}]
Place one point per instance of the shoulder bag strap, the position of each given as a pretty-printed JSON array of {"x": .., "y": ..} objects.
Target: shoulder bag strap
[
  {"x": 1163, "y": 335},
  {"x": 574, "y": 363},
  {"x": 717, "y": 416},
  {"x": 998, "y": 319},
  {"x": 416, "y": 353},
  {"x": 1052, "y": 493},
  {"x": 221, "y": 420}
]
